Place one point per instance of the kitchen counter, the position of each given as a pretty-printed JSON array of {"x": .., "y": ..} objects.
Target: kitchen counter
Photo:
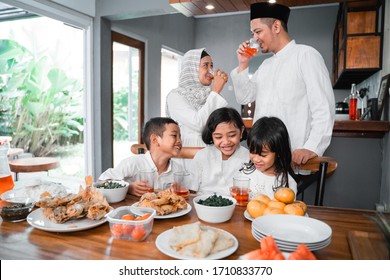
[
  {"x": 361, "y": 129},
  {"x": 347, "y": 128}
]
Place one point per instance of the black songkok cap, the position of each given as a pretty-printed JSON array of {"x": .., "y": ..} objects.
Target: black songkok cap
[{"x": 270, "y": 10}]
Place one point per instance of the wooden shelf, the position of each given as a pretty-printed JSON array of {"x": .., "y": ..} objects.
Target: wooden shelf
[
  {"x": 360, "y": 129},
  {"x": 357, "y": 42},
  {"x": 356, "y": 129}
]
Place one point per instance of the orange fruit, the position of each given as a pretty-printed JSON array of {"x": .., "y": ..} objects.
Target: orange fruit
[
  {"x": 300, "y": 204},
  {"x": 272, "y": 210},
  {"x": 255, "y": 208},
  {"x": 263, "y": 198},
  {"x": 285, "y": 195},
  {"x": 294, "y": 209},
  {"x": 276, "y": 204}
]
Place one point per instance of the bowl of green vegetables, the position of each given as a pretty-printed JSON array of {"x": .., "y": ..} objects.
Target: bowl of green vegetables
[
  {"x": 214, "y": 208},
  {"x": 114, "y": 191}
]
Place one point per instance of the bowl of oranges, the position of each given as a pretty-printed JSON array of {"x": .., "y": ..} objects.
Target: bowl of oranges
[
  {"x": 131, "y": 223},
  {"x": 283, "y": 203}
]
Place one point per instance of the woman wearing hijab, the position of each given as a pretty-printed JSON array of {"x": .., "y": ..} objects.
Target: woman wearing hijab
[{"x": 197, "y": 96}]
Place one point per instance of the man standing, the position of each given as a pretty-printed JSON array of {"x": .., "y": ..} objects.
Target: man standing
[{"x": 293, "y": 84}]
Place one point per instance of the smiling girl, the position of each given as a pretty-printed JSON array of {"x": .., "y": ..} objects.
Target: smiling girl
[
  {"x": 270, "y": 158},
  {"x": 215, "y": 165}
]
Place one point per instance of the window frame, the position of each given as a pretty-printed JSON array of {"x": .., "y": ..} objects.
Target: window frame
[{"x": 134, "y": 43}]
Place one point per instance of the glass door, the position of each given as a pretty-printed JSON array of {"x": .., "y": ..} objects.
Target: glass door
[{"x": 127, "y": 97}]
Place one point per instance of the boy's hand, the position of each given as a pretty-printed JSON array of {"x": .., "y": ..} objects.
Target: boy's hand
[{"x": 138, "y": 188}]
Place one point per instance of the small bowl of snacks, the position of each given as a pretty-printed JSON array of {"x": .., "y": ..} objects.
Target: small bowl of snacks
[
  {"x": 16, "y": 209},
  {"x": 214, "y": 208},
  {"x": 113, "y": 191},
  {"x": 131, "y": 223}
]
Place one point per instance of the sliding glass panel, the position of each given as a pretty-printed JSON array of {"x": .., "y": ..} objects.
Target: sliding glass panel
[{"x": 125, "y": 99}]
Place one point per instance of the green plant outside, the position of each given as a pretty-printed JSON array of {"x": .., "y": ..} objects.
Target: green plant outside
[
  {"x": 121, "y": 115},
  {"x": 41, "y": 107}
]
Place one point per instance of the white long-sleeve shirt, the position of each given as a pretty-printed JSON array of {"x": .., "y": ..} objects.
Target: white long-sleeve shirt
[
  {"x": 128, "y": 170},
  {"x": 214, "y": 175},
  {"x": 192, "y": 121},
  {"x": 293, "y": 85}
]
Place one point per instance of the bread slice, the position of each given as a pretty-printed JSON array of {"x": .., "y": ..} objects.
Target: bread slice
[
  {"x": 184, "y": 235},
  {"x": 223, "y": 242},
  {"x": 202, "y": 247}
]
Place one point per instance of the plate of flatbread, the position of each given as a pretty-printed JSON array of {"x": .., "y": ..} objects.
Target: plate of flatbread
[{"x": 196, "y": 241}]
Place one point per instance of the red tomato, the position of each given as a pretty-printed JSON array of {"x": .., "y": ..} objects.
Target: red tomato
[
  {"x": 143, "y": 217},
  {"x": 127, "y": 217},
  {"x": 138, "y": 232},
  {"x": 127, "y": 229},
  {"x": 116, "y": 230}
]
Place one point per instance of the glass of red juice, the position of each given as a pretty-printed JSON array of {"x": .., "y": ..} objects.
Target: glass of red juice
[
  {"x": 147, "y": 176},
  {"x": 240, "y": 190},
  {"x": 181, "y": 183},
  {"x": 252, "y": 49}
]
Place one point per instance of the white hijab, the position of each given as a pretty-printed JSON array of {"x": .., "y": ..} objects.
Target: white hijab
[{"x": 189, "y": 85}]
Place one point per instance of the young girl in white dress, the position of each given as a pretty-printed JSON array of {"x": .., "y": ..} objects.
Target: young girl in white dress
[
  {"x": 270, "y": 158},
  {"x": 216, "y": 164}
]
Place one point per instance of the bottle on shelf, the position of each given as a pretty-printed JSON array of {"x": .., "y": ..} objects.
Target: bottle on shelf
[
  {"x": 362, "y": 103},
  {"x": 353, "y": 103}
]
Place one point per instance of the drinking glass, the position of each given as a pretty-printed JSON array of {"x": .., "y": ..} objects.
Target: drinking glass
[
  {"x": 181, "y": 183},
  {"x": 240, "y": 190},
  {"x": 252, "y": 49},
  {"x": 148, "y": 177}
]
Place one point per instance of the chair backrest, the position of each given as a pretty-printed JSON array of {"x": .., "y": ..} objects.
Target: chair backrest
[
  {"x": 319, "y": 168},
  {"x": 313, "y": 165},
  {"x": 186, "y": 152}
]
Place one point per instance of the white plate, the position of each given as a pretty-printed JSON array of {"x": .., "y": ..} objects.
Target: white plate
[
  {"x": 37, "y": 220},
  {"x": 246, "y": 215},
  {"x": 249, "y": 217},
  {"x": 258, "y": 236},
  {"x": 162, "y": 243},
  {"x": 292, "y": 228},
  {"x": 172, "y": 215},
  {"x": 293, "y": 246}
]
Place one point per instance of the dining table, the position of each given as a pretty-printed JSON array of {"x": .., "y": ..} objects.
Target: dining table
[{"x": 21, "y": 241}]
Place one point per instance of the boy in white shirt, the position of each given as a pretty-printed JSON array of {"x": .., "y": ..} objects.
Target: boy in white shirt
[{"x": 163, "y": 141}]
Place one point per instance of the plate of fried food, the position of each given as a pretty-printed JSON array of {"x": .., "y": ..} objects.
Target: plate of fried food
[
  {"x": 38, "y": 220},
  {"x": 167, "y": 204},
  {"x": 72, "y": 212},
  {"x": 196, "y": 241}
]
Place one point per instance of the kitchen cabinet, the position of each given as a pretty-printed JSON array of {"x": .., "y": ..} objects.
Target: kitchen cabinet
[{"x": 357, "y": 42}]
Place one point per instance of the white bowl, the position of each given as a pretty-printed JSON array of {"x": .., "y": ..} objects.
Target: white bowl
[
  {"x": 114, "y": 195},
  {"x": 214, "y": 214}
]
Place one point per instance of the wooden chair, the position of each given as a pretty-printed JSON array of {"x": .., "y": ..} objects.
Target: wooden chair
[
  {"x": 186, "y": 152},
  {"x": 317, "y": 169}
]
